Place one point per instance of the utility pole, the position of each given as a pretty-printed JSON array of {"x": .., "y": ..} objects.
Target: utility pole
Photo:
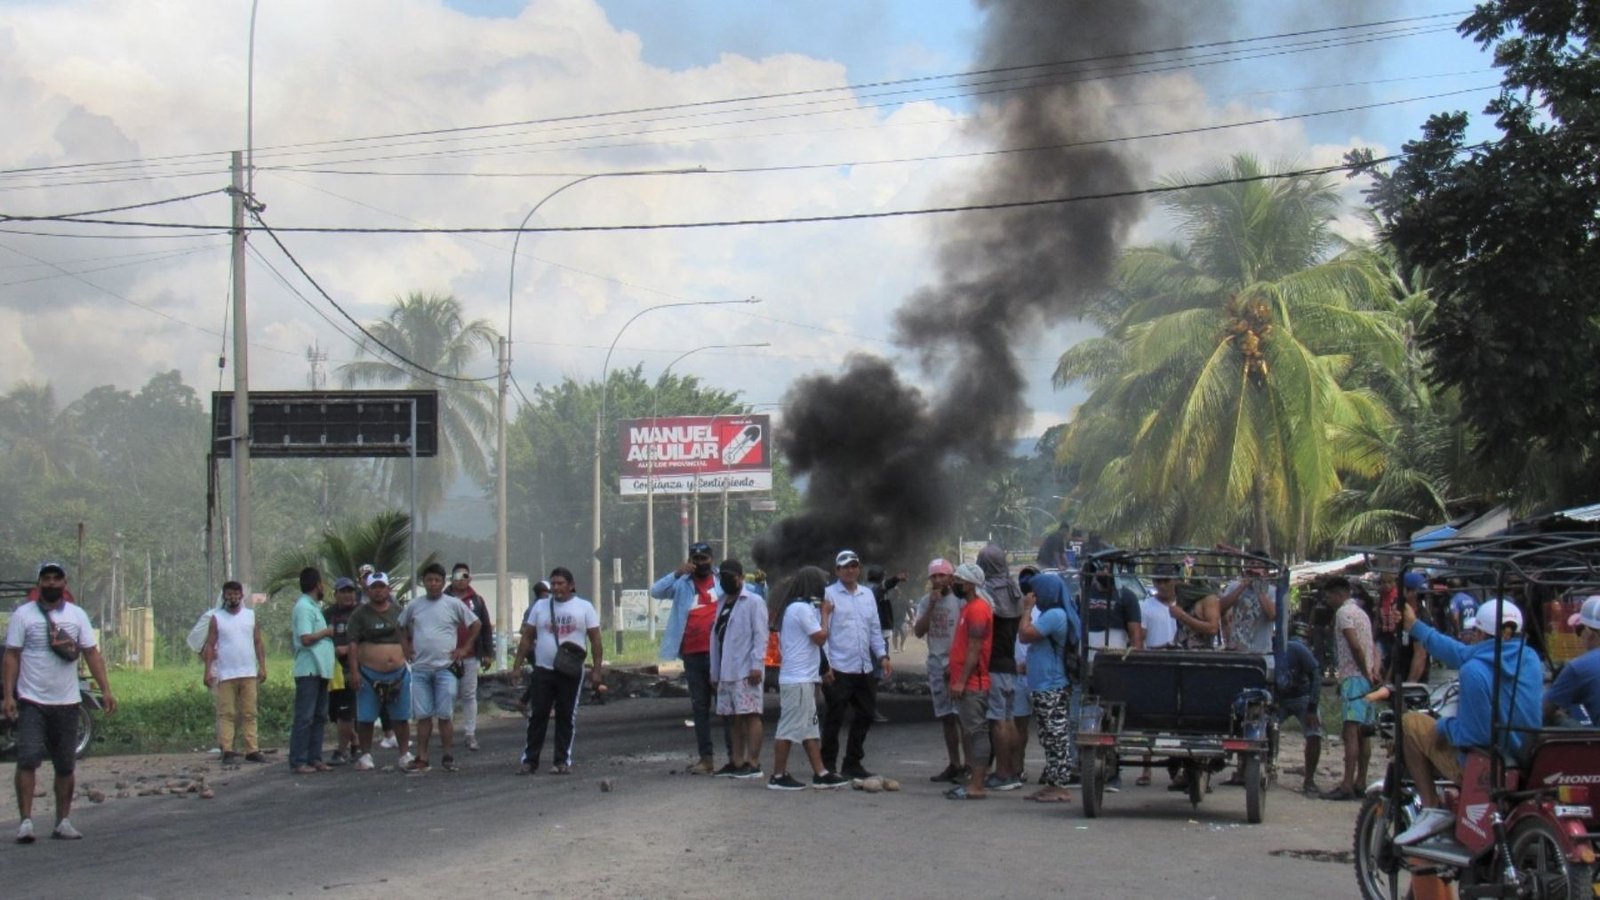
[
  {"x": 241, "y": 387},
  {"x": 502, "y": 561}
]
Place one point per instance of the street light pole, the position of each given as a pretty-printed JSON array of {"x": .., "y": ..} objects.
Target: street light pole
[
  {"x": 599, "y": 419},
  {"x": 502, "y": 554}
]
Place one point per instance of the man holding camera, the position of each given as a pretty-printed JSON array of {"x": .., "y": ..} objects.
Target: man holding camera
[{"x": 482, "y": 647}]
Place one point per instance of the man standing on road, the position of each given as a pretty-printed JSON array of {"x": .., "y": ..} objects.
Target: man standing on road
[
  {"x": 236, "y": 663},
  {"x": 1299, "y": 696},
  {"x": 937, "y": 613},
  {"x": 1008, "y": 692},
  {"x": 378, "y": 651},
  {"x": 40, "y": 678},
  {"x": 481, "y": 650},
  {"x": 855, "y": 645},
  {"x": 434, "y": 624},
  {"x": 692, "y": 590},
  {"x": 313, "y": 667},
  {"x": 802, "y": 631},
  {"x": 342, "y": 702},
  {"x": 738, "y": 665},
  {"x": 1357, "y": 669},
  {"x": 970, "y": 681},
  {"x": 563, "y": 618}
]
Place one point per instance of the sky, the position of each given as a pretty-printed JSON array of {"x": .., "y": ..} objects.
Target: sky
[{"x": 160, "y": 90}]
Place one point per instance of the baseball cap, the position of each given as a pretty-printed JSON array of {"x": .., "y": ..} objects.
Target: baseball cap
[
  {"x": 55, "y": 567},
  {"x": 1416, "y": 581},
  {"x": 845, "y": 558},
  {"x": 344, "y": 584},
  {"x": 1589, "y": 615},
  {"x": 378, "y": 578},
  {"x": 941, "y": 566},
  {"x": 543, "y": 585},
  {"x": 700, "y": 548},
  {"x": 1489, "y": 612},
  {"x": 731, "y": 567},
  {"x": 970, "y": 573}
]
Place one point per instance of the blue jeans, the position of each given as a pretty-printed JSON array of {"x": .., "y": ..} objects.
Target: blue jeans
[
  {"x": 310, "y": 718},
  {"x": 697, "y": 671}
]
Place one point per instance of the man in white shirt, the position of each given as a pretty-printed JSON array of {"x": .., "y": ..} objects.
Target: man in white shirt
[
  {"x": 563, "y": 618},
  {"x": 855, "y": 643},
  {"x": 801, "y": 634},
  {"x": 40, "y": 678},
  {"x": 937, "y": 613},
  {"x": 236, "y": 663}
]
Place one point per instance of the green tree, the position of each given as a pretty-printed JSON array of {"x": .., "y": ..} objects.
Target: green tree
[
  {"x": 1226, "y": 365},
  {"x": 432, "y": 331},
  {"x": 1506, "y": 230},
  {"x": 40, "y": 442}
]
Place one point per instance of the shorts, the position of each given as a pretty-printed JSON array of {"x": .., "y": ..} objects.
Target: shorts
[
  {"x": 1421, "y": 731},
  {"x": 341, "y": 705},
  {"x": 973, "y": 710},
  {"x": 939, "y": 692},
  {"x": 1353, "y": 691},
  {"x": 433, "y": 694},
  {"x": 797, "y": 716},
  {"x": 398, "y": 706},
  {"x": 1305, "y": 710},
  {"x": 738, "y": 698},
  {"x": 1008, "y": 697},
  {"x": 47, "y": 732}
]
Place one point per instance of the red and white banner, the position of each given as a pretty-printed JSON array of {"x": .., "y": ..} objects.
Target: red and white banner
[{"x": 682, "y": 454}]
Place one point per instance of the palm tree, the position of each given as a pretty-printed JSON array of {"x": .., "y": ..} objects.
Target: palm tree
[
  {"x": 1225, "y": 369},
  {"x": 431, "y": 330},
  {"x": 341, "y": 551},
  {"x": 38, "y": 438}
]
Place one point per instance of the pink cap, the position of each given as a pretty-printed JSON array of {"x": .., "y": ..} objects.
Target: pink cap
[{"x": 941, "y": 567}]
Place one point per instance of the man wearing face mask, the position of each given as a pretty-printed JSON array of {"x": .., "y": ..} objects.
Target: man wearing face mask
[
  {"x": 236, "y": 662},
  {"x": 937, "y": 613},
  {"x": 39, "y": 674},
  {"x": 738, "y": 665},
  {"x": 692, "y": 588}
]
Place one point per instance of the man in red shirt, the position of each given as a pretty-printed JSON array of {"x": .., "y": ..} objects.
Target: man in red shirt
[
  {"x": 692, "y": 590},
  {"x": 970, "y": 647}
]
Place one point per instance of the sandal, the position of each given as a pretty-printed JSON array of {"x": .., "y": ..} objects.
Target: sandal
[
  {"x": 1142, "y": 781},
  {"x": 960, "y": 793},
  {"x": 448, "y": 763},
  {"x": 1340, "y": 794}
]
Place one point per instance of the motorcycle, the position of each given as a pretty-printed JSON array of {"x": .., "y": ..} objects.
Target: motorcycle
[
  {"x": 89, "y": 703},
  {"x": 1534, "y": 837}
]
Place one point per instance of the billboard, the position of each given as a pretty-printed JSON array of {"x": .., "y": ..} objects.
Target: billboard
[{"x": 681, "y": 454}]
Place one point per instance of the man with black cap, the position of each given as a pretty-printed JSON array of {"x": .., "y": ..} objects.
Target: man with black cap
[
  {"x": 738, "y": 665},
  {"x": 40, "y": 677},
  {"x": 692, "y": 588},
  {"x": 855, "y": 645}
]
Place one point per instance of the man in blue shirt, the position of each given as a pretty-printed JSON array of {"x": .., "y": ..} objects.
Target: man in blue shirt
[
  {"x": 1578, "y": 685},
  {"x": 1438, "y": 747},
  {"x": 1299, "y": 689}
]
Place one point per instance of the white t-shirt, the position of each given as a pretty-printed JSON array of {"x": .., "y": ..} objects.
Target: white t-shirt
[
  {"x": 47, "y": 679},
  {"x": 1160, "y": 628},
  {"x": 573, "y": 620},
  {"x": 802, "y": 659},
  {"x": 236, "y": 643},
  {"x": 941, "y": 627}
]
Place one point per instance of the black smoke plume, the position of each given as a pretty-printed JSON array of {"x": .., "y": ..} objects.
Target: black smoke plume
[{"x": 874, "y": 448}]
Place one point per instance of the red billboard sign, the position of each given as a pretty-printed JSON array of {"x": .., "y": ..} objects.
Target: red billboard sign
[{"x": 681, "y": 454}]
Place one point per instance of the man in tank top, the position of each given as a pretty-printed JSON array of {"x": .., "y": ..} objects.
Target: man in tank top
[{"x": 236, "y": 662}]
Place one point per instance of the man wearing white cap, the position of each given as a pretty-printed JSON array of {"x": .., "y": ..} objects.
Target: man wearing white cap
[
  {"x": 1437, "y": 747},
  {"x": 936, "y": 614},
  {"x": 1578, "y": 685},
  {"x": 378, "y": 673},
  {"x": 855, "y": 643}
]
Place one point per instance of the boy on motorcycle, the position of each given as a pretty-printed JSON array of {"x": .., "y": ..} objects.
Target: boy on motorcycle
[{"x": 1437, "y": 748}]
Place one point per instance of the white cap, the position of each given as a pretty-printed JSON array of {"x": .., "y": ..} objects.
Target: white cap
[
  {"x": 1503, "y": 611},
  {"x": 1589, "y": 615},
  {"x": 846, "y": 557},
  {"x": 378, "y": 578}
]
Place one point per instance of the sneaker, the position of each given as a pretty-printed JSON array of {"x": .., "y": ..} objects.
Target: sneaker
[
  {"x": 950, "y": 774},
  {"x": 1009, "y": 783},
  {"x": 472, "y": 743},
  {"x": 338, "y": 759},
  {"x": 65, "y": 832},
  {"x": 857, "y": 774},
  {"x": 255, "y": 757},
  {"x": 747, "y": 771},
  {"x": 728, "y": 771},
  {"x": 784, "y": 782},
  {"x": 405, "y": 761},
  {"x": 364, "y": 763},
  {"x": 25, "y": 832},
  {"x": 829, "y": 781},
  {"x": 388, "y": 742},
  {"x": 1114, "y": 784},
  {"x": 1428, "y": 823}
]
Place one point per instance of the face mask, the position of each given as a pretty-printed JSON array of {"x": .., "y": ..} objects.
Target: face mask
[
  {"x": 960, "y": 590},
  {"x": 729, "y": 583},
  {"x": 701, "y": 570},
  {"x": 51, "y": 594}
]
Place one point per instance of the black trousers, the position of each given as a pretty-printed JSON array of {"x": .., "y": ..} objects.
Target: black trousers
[
  {"x": 552, "y": 691},
  {"x": 860, "y": 694}
]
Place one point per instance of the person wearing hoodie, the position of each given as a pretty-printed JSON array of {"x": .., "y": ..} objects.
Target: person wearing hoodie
[
  {"x": 1008, "y": 695},
  {"x": 1436, "y": 748},
  {"x": 971, "y": 649},
  {"x": 482, "y": 650},
  {"x": 1048, "y": 638}
]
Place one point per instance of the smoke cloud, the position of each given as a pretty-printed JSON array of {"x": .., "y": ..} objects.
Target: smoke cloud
[{"x": 875, "y": 448}]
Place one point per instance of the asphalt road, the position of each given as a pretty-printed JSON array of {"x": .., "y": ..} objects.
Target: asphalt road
[{"x": 486, "y": 832}]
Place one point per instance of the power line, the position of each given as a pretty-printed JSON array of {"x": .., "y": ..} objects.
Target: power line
[
  {"x": 280, "y": 149},
  {"x": 284, "y": 282},
  {"x": 4, "y": 217},
  {"x": 169, "y": 256}
]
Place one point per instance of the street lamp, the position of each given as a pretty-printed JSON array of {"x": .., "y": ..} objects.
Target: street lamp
[
  {"x": 599, "y": 419},
  {"x": 501, "y": 551}
]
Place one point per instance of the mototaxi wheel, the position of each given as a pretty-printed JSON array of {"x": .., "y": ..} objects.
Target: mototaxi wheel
[
  {"x": 1544, "y": 871},
  {"x": 85, "y": 731},
  {"x": 1093, "y": 783},
  {"x": 1255, "y": 790},
  {"x": 1378, "y": 868}
]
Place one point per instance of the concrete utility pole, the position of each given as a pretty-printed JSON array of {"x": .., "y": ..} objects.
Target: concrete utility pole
[
  {"x": 241, "y": 388},
  {"x": 502, "y": 555}
]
